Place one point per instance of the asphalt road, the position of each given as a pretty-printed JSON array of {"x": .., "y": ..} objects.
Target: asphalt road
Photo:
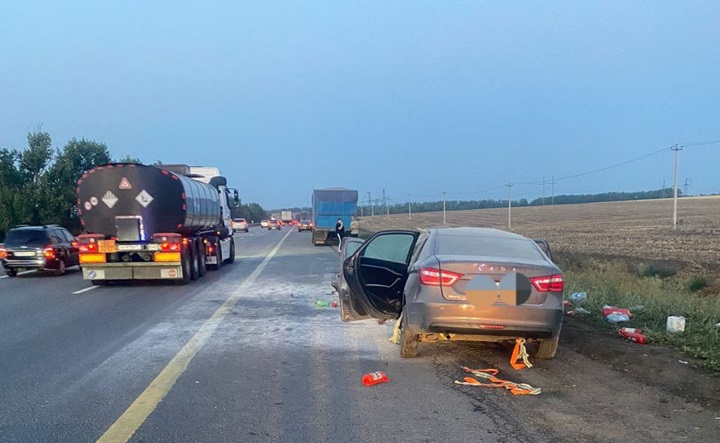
[{"x": 244, "y": 355}]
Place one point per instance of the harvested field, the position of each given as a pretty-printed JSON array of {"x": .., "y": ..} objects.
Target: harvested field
[{"x": 637, "y": 229}]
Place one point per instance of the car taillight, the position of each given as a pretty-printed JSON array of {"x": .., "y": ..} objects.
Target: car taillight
[
  {"x": 549, "y": 283},
  {"x": 437, "y": 277},
  {"x": 49, "y": 252}
]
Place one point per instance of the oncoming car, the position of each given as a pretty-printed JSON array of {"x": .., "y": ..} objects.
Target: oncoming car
[
  {"x": 240, "y": 224},
  {"x": 475, "y": 284}
]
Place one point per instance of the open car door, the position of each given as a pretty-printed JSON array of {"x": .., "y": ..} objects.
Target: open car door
[{"x": 376, "y": 275}]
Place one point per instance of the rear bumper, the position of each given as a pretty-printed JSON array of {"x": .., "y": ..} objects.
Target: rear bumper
[
  {"x": 131, "y": 271},
  {"x": 494, "y": 323},
  {"x": 35, "y": 263}
]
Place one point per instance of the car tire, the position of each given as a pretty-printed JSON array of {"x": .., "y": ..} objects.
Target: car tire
[
  {"x": 548, "y": 348},
  {"x": 11, "y": 272},
  {"x": 62, "y": 268},
  {"x": 409, "y": 340}
]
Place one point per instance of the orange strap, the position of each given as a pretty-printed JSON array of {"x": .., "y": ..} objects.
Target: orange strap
[
  {"x": 519, "y": 352},
  {"x": 489, "y": 374}
]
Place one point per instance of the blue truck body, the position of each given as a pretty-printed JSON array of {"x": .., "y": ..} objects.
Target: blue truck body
[{"x": 327, "y": 206}]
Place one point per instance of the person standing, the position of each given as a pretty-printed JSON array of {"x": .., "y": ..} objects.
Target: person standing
[
  {"x": 340, "y": 231},
  {"x": 354, "y": 227}
]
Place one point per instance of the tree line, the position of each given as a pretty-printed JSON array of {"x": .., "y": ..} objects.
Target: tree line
[
  {"x": 460, "y": 205},
  {"x": 38, "y": 183}
]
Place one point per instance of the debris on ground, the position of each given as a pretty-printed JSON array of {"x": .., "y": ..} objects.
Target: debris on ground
[
  {"x": 676, "y": 323},
  {"x": 614, "y": 314},
  {"x": 519, "y": 351},
  {"x": 322, "y": 304},
  {"x": 633, "y": 334},
  {"x": 375, "y": 378},
  {"x": 578, "y": 296},
  {"x": 395, "y": 338},
  {"x": 577, "y": 311},
  {"x": 489, "y": 375}
]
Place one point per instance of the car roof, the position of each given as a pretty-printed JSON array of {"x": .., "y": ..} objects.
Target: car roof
[{"x": 480, "y": 232}]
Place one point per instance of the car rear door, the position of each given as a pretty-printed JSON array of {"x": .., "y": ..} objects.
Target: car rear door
[{"x": 377, "y": 272}]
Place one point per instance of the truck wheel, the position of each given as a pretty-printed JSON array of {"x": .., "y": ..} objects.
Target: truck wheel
[
  {"x": 186, "y": 267},
  {"x": 231, "y": 258},
  {"x": 201, "y": 257},
  {"x": 194, "y": 261},
  {"x": 218, "y": 257}
]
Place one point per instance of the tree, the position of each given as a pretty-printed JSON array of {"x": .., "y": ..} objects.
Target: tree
[{"x": 129, "y": 159}]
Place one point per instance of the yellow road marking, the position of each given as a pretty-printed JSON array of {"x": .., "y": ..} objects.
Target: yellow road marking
[{"x": 134, "y": 416}]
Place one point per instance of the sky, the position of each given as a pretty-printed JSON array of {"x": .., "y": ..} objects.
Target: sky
[{"x": 414, "y": 97}]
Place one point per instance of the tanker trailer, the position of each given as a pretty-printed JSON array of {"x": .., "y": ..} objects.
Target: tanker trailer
[{"x": 153, "y": 223}]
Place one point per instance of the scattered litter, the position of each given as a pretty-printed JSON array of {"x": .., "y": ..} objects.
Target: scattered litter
[
  {"x": 607, "y": 310},
  {"x": 633, "y": 334},
  {"x": 489, "y": 375},
  {"x": 395, "y": 338},
  {"x": 676, "y": 323},
  {"x": 293, "y": 295},
  {"x": 375, "y": 378},
  {"x": 519, "y": 351},
  {"x": 578, "y": 296},
  {"x": 616, "y": 317},
  {"x": 582, "y": 310},
  {"x": 577, "y": 311},
  {"x": 567, "y": 303},
  {"x": 683, "y": 362},
  {"x": 334, "y": 304},
  {"x": 717, "y": 325},
  {"x": 322, "y": 304},
  {"x": 381, "y": 321},
  {"x": 636, "y": 308}
]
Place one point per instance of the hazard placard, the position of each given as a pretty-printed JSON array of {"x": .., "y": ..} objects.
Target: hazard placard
[{"x": 125, "y": 184}]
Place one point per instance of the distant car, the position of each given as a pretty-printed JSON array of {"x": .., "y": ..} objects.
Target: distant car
[
  {"x": 457, "y": 284},
  {"x": 274, "y": 224},
  {"x": 305, "y": 225},
  {"x": 264, "y": 223},
  {"x": 240, "y": 224},
  {"x": 38, "y": 247}
]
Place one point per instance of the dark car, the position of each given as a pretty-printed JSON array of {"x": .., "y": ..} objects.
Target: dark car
[
  {"x": 475, "y": 284},
  {"x": 304, "y": 225},
  {"x": 38, "y": 247},
  {"x": 274, "y": 224}
]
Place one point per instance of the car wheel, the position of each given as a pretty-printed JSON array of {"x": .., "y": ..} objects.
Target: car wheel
[
  {"x": 62, "y": 269},
  {"x": 548, "y": 348},
  {"x": 409, "y": 340},
  {"x": 11, "y": 272}
]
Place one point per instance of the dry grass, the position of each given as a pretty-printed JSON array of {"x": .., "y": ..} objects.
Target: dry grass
[{"x": 638, "y": 229}]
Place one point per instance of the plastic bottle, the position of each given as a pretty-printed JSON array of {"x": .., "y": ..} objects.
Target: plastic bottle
[
  {"x": 617, "y": 317},
  {"x": 607, "y": 310},
  {"x": 578, "y": 296},
  {"x": 636, "y": 337},
  {"x": 625, "y": 331},
  {"x": 322, "y": 304},
  {"x": 334, "y": 304},
  {"x": 375, "y": 378}
]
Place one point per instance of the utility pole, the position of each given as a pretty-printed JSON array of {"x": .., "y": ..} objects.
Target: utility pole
[
  {"x": 372, "y": 207},
  {"x": 685, "y": 187},
  {"x": 444, "y": 218},
  {"x": 409, "y": 209},
  {"x": 677, "y": 149},
  {"x": 384, "y": 202},
  {"x": 543, "y": 191},
  {"x": 663, "y": 184},
  {"x": 552, "y": 198},
  {"x": 509, "y": 186}
]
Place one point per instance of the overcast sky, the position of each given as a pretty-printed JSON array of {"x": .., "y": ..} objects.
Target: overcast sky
[{"x": 414, "y": 97}]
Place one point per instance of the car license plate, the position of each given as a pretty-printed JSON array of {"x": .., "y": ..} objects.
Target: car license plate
[
  {"x": 25, "y": 254},
  {"x": 106, "y": 246},
  {"x": 130, "y": 247}
]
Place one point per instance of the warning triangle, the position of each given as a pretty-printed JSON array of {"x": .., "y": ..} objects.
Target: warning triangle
[{"x": 125, "y": 184}]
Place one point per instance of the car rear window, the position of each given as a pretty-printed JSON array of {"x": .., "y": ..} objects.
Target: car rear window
[
  {"x": 26, "y": 237},
  {"x": 454, "y": 244}
]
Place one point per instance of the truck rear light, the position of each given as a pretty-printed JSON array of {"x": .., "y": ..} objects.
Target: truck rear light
[
  {"x": 167, "y": 257},
  {"x": 165, "y": 246},
  {"x": 437, "y": 277},
  {"x": 549, "y": 283},
  {"x": 87, "y": 248},
  {"x": 494, "y": 327},
  {"x": 3, "y": 253},
  {"x": 49, "y": 252},
  {"x": 92, "y": 258}
]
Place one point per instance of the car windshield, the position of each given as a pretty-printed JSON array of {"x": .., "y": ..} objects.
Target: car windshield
[
  {"x": 482, "y": 245},
  {"x": 26, "y": 237}
]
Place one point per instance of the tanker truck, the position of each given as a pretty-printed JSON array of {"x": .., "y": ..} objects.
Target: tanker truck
[{"x": 170, "y": 222}]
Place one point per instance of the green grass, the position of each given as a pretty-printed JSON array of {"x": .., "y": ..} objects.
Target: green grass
[{"x": 662, "y": 291}]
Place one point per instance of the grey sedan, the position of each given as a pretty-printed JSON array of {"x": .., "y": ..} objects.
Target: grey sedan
[{"x": 475, "y": 284}]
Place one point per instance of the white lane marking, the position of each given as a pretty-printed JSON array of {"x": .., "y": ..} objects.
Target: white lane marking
[
  {"x": 20, "y": 273},
  {"x": 86, "y": 289},
  {"x": 3, "y": 276},
  {"x": 136, "y": 414}
]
